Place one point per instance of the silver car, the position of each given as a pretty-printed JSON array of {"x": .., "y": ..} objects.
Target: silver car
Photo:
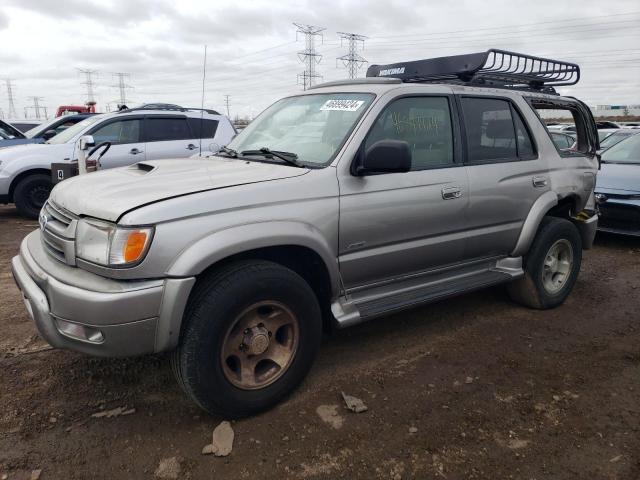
[{"x": 344, "y": 203}]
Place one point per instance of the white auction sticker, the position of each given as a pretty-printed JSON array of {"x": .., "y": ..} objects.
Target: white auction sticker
[{"x": 342, "y": 105}]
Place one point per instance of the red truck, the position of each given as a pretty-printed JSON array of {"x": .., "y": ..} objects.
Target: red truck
[{"x": 89, "y": 107}]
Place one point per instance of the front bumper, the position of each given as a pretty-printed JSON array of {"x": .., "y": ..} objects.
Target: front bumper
[
  {"x": 132, "y": 317},
  {"x": 620, "y": 215}
]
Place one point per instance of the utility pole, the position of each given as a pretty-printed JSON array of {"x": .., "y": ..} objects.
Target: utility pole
[
  {"x": 36, "y": 106},
  {"x": 12, "y": 105},
  {"x": 226, "y": 104},
  {"x": 352, "y": 60},
  {"x": 122, "y": 86},
  {"x": 309, "y": 56},
  {"x": 89, "y": 83}
]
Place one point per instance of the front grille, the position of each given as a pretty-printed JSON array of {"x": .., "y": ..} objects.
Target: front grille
[
  {"x": 58, "y": 229},
  {"x": 619, "y": 217}
]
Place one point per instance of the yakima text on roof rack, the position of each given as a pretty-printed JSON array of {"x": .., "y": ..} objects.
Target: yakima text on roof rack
[{"x": 491, "y": 68}]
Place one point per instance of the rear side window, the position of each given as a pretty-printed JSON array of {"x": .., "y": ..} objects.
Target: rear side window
[
  {"x": 424, "y": 123},
  {"x": 495, "y": 132},
  {"x": 209, "y": 127},
  {"x": 165, "y": 129},
  {"x": 571, "y": 117}
]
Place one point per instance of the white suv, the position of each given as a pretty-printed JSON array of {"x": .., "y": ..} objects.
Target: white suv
[{"x": 150, "y": 132}]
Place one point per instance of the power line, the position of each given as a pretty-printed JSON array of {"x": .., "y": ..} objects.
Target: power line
[
  {"x": 309, "y": 56},
  {"x": 12, "y": 105},
  {"x": 122, "y": 86},
  {"x": 352, "y": 60},
  {"x": 89, "y": 83}
]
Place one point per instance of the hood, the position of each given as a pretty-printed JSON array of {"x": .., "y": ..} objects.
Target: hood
[
  {"x": 108, "y": 194},
  {"x": 36, "y": 155},
  {"x": 618, "y": 176},
  {"x": 19, "y": 141}
]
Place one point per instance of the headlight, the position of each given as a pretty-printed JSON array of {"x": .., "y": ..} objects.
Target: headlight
[{"x": 107, "y": 244}]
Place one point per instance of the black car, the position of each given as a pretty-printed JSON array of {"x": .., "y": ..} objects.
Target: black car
[{"x": 618, "y": 188}]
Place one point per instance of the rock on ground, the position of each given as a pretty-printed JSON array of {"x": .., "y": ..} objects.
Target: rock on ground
[{"x": 169, "y": 468}]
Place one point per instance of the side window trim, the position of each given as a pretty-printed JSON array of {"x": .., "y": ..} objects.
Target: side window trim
[
  {"x": 512, "y": 107},
  {"x": 455, "y": 127},
  {"x": 109, "y": 121}
]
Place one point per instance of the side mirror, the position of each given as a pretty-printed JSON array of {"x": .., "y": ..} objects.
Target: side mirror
[
  {"x": 214, "y": 147},
  {"x": 49, "y": 134},
  {"x": 385, "y": 156},
  {"x": 86, "y": 142}
]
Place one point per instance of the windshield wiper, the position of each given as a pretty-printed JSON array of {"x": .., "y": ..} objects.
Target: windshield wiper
[
  {"x": 229, "y": 151},
  {"x": 289, "y": 157}
]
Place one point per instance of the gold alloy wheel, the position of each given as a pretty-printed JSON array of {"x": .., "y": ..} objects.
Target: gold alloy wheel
[{"x": 260, "y": 345}]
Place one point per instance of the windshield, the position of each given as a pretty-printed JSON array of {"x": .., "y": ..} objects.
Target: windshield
[
  {"x": 615, "y": 138},
  {"x": 71, "y": 132},
  {"x": 313, "y": 127},
  {"x": 627, "y": 151}
]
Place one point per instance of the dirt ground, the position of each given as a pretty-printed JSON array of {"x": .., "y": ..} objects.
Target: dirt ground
[{"x": 473, "y": 387}]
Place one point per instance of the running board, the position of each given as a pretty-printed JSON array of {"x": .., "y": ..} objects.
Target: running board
[{"x": 362, "y": 306}]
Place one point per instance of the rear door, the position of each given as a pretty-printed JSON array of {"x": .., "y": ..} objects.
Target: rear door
[
  {"x": 125, "y": 136},
  {"x": 397, "y": 224},
  {"x": 506, "y": 173},
  {"x": 169, "y": 136}
]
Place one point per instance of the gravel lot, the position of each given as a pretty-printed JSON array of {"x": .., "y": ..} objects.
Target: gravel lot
[{"x": 473, "y": 387}]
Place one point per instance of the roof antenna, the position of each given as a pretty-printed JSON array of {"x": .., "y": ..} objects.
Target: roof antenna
[{"x": 204, "y": 76}]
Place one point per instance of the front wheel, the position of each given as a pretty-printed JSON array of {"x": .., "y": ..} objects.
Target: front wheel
[
  {"x": 551, "y": 265},
  {"x": 250, "y": 334},
  {"x": 31, "y": 193}
]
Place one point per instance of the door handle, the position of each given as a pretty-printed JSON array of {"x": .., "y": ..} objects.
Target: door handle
[
  {"x": 135, "y": 151},
  {"x": 539, "y": 182},
  {"x": 450, "y": 193},
  {"x": 191, "y": 146}
]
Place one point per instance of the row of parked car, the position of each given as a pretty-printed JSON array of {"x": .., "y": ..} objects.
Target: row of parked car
[{"x": 150, "y": 132}]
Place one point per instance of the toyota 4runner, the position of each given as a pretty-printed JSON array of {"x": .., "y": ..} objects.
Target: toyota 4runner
[{"x": 344, "y": 203}]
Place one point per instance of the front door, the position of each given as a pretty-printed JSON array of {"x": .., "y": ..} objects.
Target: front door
[{"x": 396, "y": 224}]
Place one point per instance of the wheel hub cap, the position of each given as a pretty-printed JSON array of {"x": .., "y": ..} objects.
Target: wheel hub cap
[{"x": 256, "y": 340}]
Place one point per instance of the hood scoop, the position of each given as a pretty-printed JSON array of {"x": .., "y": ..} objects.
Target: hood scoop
[{"x": 141, "y": 168}]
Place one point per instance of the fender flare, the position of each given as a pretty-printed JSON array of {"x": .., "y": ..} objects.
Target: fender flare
[
  {"x": 541, "y": 206},
  {"x": 242, "y": 238}
]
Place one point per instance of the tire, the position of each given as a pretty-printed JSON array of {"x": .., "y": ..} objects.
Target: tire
[
  {"x": 214, "y": 379},
  {"x": 540, "y": 287},
  {"x": 31, "y": 193}
]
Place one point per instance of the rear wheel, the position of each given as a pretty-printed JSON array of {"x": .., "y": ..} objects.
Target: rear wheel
[
  {"x": 31, "y": 193},
  {"x": 551, "y": 266},
  {"x": 250, "y": 334}
]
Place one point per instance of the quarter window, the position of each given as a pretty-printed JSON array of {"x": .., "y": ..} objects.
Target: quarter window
[
  {"x": 424, "y": 123},
  {"x": 119, "y": 132},
  {"x": 209, "y": 127},
  {"x": 166, "y": 129}
]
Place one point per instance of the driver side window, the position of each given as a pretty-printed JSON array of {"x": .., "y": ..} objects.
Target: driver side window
[{"x": 424, "y": 123}]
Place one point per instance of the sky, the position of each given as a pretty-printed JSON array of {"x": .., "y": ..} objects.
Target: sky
[{"x": 252, "y": 46}]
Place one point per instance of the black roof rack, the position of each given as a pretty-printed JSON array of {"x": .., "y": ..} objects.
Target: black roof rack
[
  {"x": 168, "y": 107},
  {"x": 494, "y": 67}
]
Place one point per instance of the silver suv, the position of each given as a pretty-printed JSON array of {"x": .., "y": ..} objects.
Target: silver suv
[
  {"x": 335, "y": 206},
  {"x": 149, "y": 132}
]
